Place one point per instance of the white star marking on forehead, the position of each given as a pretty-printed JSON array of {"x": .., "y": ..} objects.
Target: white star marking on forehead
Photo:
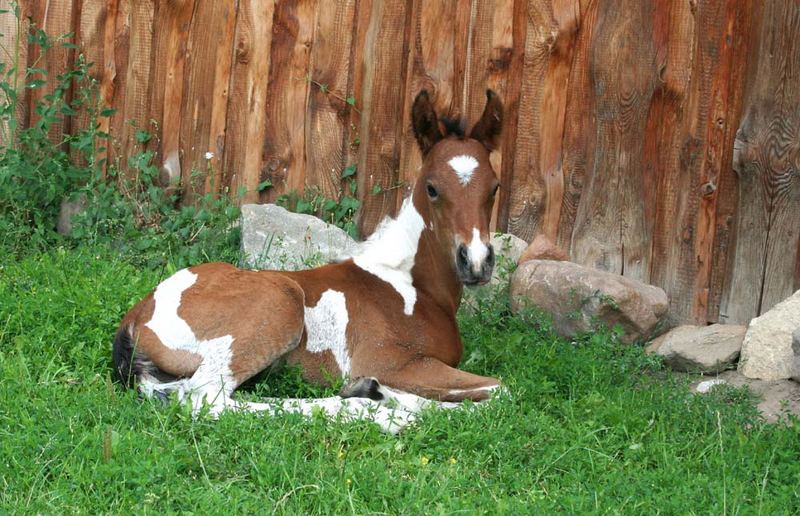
[{"x": 464, "y": 166}]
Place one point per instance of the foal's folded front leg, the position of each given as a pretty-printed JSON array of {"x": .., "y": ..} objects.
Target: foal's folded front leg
[{"x": 435, "y": 380}]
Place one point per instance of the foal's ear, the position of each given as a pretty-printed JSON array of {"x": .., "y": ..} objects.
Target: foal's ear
[
  {"x": 423, "y": 119},
  {"x": 487, "y": 130}
]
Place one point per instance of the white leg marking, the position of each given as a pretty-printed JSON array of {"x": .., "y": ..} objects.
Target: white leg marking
[
  {"x": 389, "y": 253},
  {"x": 390, "y": 420},
  {"x": 326, "y": 328},
  {"x": 213, "y": 380},
  {"x": 478, "y": 251},
  {"x": 463, "y": 166}
]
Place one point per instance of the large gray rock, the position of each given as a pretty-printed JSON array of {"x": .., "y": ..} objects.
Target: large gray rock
[
  {"x": 578, "y": 298},
  {"x": 275, "y": 238},
  {"x": 767, "y": 351},
  {"x": 796, "y": 351},
  {"x": 705, "y": 349}
]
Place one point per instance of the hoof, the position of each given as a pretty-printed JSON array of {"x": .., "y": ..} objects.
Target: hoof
[{"x": 362, "y": 388}]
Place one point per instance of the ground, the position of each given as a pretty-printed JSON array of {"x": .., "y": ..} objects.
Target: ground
[
  {"x": 777, "y": 399},
  {"x": 589, "y": 425}
]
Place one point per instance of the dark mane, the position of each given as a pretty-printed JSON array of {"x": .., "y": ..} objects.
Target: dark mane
[{"x": 453, "y": 126}]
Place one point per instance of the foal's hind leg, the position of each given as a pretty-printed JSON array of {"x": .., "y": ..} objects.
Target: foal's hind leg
[{"x": 277, "y": 331}]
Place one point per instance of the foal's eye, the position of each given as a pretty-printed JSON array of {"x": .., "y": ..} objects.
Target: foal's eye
[{"x": 432, "y": 193}]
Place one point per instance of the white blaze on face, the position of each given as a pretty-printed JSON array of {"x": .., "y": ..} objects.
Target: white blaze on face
[
  {"x": 477, "y": 251},
  {"x": 463, "y": 166},
  {"x": 326, "y": 328}
]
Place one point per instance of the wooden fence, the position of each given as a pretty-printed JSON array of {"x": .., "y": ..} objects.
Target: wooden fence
[{"x": 656, "y": 139}]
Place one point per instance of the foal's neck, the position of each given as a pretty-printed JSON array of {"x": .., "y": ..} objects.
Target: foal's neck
[{"x": 406, "y": 253}]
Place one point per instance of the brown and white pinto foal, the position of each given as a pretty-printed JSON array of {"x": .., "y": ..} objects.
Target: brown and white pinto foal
[{"x": 385, "y": 318}]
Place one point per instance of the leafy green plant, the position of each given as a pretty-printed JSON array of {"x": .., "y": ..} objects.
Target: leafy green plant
[
  {"x": 36, "y": 169},
  {"x": 132, "y": 212},
  {"x": 340, "y": 212}
]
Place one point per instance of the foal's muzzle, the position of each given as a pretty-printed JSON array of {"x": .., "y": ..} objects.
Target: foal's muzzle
[{"x": 473, "y": 265}]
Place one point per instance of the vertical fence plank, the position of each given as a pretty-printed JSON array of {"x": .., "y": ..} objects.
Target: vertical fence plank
[
  {"x": 284, "y": 144},
  {"x": 384, "y": 61},
  {"x": 430, "y": 66},
  {"x": 55, "y": 18},
  {"x": 537, "y": 177},
  {"x": 246, "y": 118},
  {"x": 205, "y": 102},
  {"x": 766, "y": 159},
  {"x": 610, "y": 229},
  {"x": 511, "y": 102},
  {"x": 686, "y": 39},
  {"x": 134, "y": 108},
  {"x": 171, "y": 24},
  {"x": 89, "y": 34},
  {"x": 15, "y": 39},
  {"x": 328, "y": 111},
  {"x": 580, "y": 125},
  {"x": 718, "y": 188}
]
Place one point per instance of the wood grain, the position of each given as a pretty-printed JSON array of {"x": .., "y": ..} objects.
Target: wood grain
[
  {"x": 610, "y": 229},
  {"x": 205, "y": 100},
  {"x": 511, "y": 99},
  {"x": 767, "y": 160},
  {"x": 246, "y": 122},
  {"x": 717, "y": 182},
  {"x": 171, "y": 24},
  {"x": 133, "y": 114},
  {"x": 537, "y": 187},
  {"x": 14, "y": 31},
  {"x": 56, "y": 19},
  {"x": 328, "y": 112},
  {"x": 284, "y": 157},
  {"x": 89, "y": 34},
  {"x": 384, "y": 62},
  {"x": 430, "y": 66}
]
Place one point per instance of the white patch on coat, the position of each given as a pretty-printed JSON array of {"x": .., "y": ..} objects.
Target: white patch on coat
[
  {"x": 326, "y": 328},
  {"x": 463, "y": 166},
  {"x": 390, "y": 251},
  {"x": 213, "y": 380},
  {"x": 477, "y": 251}
]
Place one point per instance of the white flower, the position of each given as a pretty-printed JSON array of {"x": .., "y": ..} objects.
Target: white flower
[{"x": 209, "y": 155}]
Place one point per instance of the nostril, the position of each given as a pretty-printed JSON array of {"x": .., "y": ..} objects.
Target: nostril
[
  {"x": 490, "y": 257},
  {"x": 463, "y": 257}
]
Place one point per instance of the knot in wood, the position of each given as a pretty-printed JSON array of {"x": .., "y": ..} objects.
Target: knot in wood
[{"x": 708, "y": 188}]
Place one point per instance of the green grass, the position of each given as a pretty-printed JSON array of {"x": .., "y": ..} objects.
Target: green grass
[{"x": 589, "y": 426}]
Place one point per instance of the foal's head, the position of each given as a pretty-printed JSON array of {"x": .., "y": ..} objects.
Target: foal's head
[{"x": 456, "y": 187}]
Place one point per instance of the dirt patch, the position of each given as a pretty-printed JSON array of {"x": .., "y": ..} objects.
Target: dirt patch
[{"x": 779, "y": 398}]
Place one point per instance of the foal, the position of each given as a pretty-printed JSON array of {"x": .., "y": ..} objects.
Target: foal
[{"x": 385, "y": 318}]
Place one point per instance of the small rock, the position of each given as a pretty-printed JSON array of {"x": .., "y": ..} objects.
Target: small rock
[
  {"x": 275, "y": 238},
  {"x": 707, "y": 385},
  {"x": 69, "y": 208},
  {"x": 767, "y": 351},
  {"x": 543, "y": 249},
  {"x": 578, "y": 298},
  {"x": 706, "y": 349}
]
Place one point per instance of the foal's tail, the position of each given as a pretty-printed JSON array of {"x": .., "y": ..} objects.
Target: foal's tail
[{"x": 128, "y": 363}]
